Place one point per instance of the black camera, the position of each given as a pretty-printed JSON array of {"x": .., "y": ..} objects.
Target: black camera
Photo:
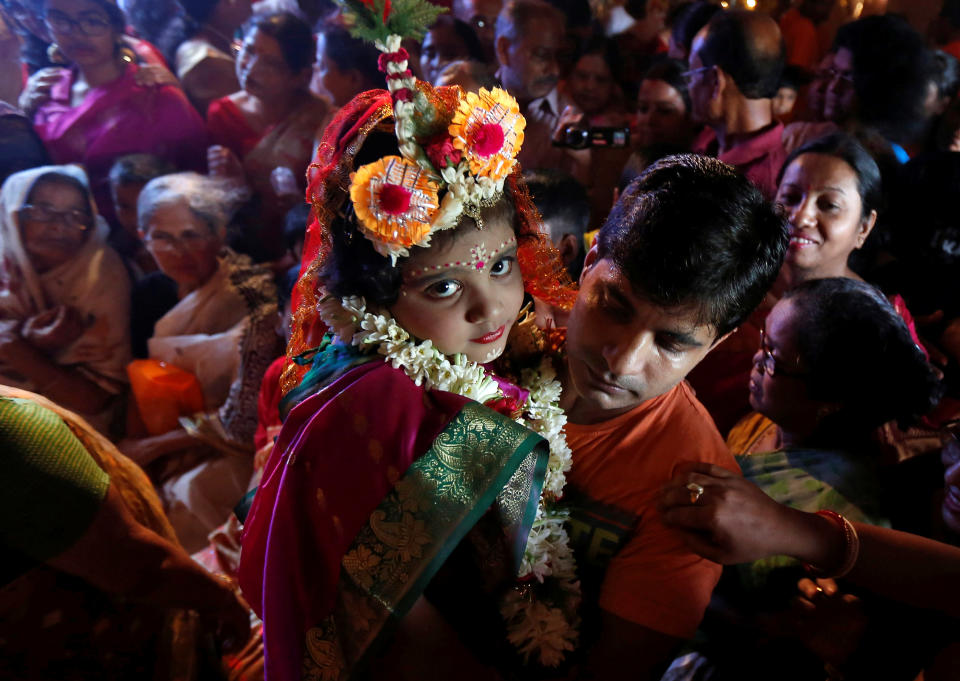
[{"x": 575, "y": 137}]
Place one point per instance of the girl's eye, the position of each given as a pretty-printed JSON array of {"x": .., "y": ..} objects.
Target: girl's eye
[
  {"x": 443, "y": 289},
  {"x": 502, "y": 267}
]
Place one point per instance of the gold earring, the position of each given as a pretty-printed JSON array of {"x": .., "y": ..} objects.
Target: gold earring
[{"x": 55, "y": 55}]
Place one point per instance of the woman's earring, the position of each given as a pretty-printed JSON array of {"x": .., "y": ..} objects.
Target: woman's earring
[{"x": 55, "y": 55}]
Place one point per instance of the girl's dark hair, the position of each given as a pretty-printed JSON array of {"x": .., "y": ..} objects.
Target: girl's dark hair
[
  {"x": 890, "y": 74},
  {"x": 859, "y": 354},
  {"x": 292, "y": 34},
  {"x": 466, "y": 34},
  {"x": 349, "y": 53},
  {"x": 354, "y": 268},
  {"x": 851, "y": 152},
  {"x": 54, "y": 177},
  {"x": 670, "y": 71}
]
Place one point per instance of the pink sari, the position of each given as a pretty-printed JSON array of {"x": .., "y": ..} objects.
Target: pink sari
[{"x": 116, "y": 119}]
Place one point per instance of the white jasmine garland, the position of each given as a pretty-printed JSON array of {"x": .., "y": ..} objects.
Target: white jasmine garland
[{"x": 544, "y": 631}]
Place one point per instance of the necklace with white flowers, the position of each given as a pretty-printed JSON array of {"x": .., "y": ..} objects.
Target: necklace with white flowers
[{"x": 541, "y": 612}]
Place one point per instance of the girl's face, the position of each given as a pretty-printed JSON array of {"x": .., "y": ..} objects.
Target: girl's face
[
  {"x": 662, "y": 115},
  {"x": 82, "y": 30},
  {"x": 591, "y": 84},
  {"x": 465, "y": 295},
  {"x": 825, "y": 212},
  {"x": 54, "y": 224}
]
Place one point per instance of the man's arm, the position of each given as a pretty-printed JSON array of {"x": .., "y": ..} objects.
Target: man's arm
[{"x": 626, "y": 650}]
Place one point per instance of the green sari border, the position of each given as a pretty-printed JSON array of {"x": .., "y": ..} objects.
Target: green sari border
[{"x": 485, "y": 500}]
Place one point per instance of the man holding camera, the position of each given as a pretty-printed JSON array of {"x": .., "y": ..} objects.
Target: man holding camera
[{"x": 529, "y": 34}]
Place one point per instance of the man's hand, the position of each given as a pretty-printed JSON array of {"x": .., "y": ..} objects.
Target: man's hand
[{"x": 222, "y": 162}]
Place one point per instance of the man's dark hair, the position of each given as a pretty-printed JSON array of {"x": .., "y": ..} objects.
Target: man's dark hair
[
  {"x": 691, "y": 231},
  {"x": 731, "y": 45},
  {"x": 890, "y": 74},
  {"x": 517, "y": 15},
  {"x": 690, "y": 20}
]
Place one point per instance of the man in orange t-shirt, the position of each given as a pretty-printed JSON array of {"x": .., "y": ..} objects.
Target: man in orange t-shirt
[{"x": 688, "y": 252}]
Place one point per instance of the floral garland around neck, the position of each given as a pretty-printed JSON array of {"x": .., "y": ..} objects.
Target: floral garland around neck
[{"x": 541, "y": 611}]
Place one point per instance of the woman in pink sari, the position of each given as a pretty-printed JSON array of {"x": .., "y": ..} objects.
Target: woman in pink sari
[{"x": 94, "y": 111}]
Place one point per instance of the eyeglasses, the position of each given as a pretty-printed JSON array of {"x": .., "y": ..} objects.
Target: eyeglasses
[
  {"x": 692, "y": 74},
  {"x": 768, "y": 363},
  {"x": 168, "y": 243},
  {"x": 75, "y": 219},
  {"x": 91, "y": 26}
]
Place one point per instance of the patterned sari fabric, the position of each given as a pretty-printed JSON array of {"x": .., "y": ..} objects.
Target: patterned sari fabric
[{"x": 360, "y": 506}]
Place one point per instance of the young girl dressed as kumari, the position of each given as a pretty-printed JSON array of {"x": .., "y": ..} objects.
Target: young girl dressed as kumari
[{"x": 424, "y": 427}]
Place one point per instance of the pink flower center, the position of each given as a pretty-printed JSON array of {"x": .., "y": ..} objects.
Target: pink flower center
[
  {"x": 488, "y": 139},
  {"x": 394, "y": 199}
]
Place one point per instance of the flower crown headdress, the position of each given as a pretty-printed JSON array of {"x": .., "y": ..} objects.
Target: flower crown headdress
[{"x": 464, "y": 143}]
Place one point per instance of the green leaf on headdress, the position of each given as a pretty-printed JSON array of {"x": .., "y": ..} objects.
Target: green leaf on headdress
[{"x": 375, "y": 20}]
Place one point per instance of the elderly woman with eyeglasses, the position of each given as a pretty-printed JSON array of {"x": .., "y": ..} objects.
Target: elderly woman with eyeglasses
[
  {"x": 94, "y": 109},
  {"x": 220, "y": 326},
  {"x": 64, "y": 294},
  {"x": 834, "y": 362}
]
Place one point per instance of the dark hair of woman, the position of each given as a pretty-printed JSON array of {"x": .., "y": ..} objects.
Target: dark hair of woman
[
  {"x": 858, "y": 353},
  {"x": 292, "y": 34},
  {"x": 606, "y": 49},
  {"x": 117, "y": 19},
  {"x": 670, "y": 71},
  {"x": 851, "y": 152},
  {"x": 59, "y": 178},
  {"x": 890, "y": 74}
]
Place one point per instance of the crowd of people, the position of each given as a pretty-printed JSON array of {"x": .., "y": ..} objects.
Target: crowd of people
[{"x": 345, "y": 340}]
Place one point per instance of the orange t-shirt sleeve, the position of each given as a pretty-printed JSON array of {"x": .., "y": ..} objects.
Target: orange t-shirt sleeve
[{"x": 655, "y": 580}]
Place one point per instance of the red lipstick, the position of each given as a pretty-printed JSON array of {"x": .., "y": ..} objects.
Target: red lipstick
[{"x": 489, "y": 337}]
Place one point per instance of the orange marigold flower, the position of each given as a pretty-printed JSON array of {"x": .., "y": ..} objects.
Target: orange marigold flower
[
  {"x": 488, "y": 128},
  {"x": 395, "y": 203}
]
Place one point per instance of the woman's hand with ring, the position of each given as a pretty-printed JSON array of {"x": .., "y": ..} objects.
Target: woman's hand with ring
[{"x": 722, "y": 516}]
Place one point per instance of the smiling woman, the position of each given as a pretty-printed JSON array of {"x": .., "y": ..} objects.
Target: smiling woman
[{"x": 95, "y": 111}]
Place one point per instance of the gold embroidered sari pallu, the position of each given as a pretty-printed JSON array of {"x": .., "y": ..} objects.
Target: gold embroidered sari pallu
[{"x": 475, "y": 464}]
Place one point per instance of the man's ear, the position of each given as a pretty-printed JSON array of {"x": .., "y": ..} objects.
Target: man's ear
[
  {"x": 720, "y": 82},
  {"x": 592, "y": 259},
  {"x": 502, "y": 48}
]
